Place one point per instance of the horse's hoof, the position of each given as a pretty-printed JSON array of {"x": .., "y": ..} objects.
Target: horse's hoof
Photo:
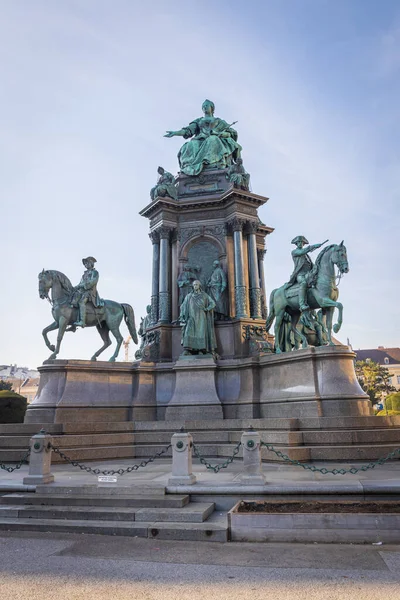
[
  {"x": 52, "y": 348},
  {"x": 93, "y": 358},
  {"x": 336, "y": 327},
  {"x": 278, "y": 351},
  {"x": 52, "y": 356},
  {"x": 112, "y": 359}
]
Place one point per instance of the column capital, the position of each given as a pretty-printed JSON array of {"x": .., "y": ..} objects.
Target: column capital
[
  {"x": 236, "y": 224},
  {"x": 261, "y": 252},
  {"x": 154, "y": 236},
  {"x": 252, "y": 226},
  {"x": 165, "y": 232}
]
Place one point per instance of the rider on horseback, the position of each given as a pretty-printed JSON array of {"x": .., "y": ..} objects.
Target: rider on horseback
[
  {"x": 302, "y": 267},
  {"x": 86, "y": 290}
]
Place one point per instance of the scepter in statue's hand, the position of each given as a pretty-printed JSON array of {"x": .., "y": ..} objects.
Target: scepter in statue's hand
[{"x": 212, "y": 132}]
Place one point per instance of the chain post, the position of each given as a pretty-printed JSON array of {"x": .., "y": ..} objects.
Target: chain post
[
  {"x": 182, "y": 449},
  {"x": 40, "y": 459},
  {"x": 252, "y": 465}
]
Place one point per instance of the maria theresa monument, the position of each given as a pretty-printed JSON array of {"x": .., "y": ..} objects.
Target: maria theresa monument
[{"x": 213, "y": 345}]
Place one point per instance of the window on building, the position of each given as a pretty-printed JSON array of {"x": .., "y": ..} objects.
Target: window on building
[
  {"x": 386, "y": 360},
  {"x": 398, "y": 379}
]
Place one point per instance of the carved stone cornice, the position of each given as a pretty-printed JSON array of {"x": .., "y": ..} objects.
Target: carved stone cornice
[{"x": 186, "y": 233}]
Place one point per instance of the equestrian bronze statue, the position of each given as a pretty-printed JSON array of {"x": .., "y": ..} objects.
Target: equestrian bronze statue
[
  {"x": 310, "y": 287},
  {"x": 81, "y": 306}
]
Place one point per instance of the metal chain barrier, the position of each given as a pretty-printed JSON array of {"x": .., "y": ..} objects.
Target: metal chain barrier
[
  {"x": 88, "y": 469},
  {"x": 4, "y": 467},
  {"x": 216, "y": 468},
  {"x": 324, "y": 471}
]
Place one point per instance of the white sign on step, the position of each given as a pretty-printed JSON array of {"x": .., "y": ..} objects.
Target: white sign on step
[{"x": 107, "y": 479}]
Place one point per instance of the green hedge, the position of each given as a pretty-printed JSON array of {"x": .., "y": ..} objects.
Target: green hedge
[{"x": 12, "y": 407}]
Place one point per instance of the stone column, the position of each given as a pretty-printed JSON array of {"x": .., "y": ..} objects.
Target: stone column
[
  {"x": 164, "y": 296},
  {"x": 155, "y": 239},
  {"x": 240, "y": 286},
  {"x": 261, "y": 252},
  {"x": 255, "y": 292}
]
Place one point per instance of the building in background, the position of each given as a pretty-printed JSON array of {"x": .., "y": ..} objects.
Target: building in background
[
  {"x": 24, "y": 381},
  {"x": 386, "y": 357}
]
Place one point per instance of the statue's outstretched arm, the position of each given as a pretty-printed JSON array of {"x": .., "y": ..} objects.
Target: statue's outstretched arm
[{"x": 180, "y": 132}]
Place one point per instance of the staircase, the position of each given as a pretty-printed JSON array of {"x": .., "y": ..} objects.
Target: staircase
[
  {"x": 113, "y": 511},
  {"x": 307, "y": 439}
]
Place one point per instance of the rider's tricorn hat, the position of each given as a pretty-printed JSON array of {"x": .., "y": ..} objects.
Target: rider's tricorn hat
[
  {"x": 300, "y": 238},
  {"x": 89, "y": 259}
]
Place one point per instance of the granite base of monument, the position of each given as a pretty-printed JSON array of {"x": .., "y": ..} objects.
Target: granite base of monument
[
  {"x": 195, "y": 396},
  {"x": 314, "y": 382}
]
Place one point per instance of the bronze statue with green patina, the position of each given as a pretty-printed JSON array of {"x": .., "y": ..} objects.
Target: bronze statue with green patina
[
  {"x": 86, "y": 291},
  {"x": 213, "y": 143},
  {"x": 105, "y": 315},
  {"x": 216, "y": 286},
  {"x": 303, "y": 266},
  {"x": 165, "y": 187},
  {"x": 323, "y": 293},
  {"x": 197, "y": 321},
  {"x": 238, "y": 175}
]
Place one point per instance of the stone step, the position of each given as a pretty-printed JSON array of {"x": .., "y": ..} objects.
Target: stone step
[
  {"x": 72, "y": 440},
  {"x": 148, "y": 490},
  {"x": 194, "y": 512},
  {"x": 138, "y": 501},
  {"x": 208, "y": 531},
  {"x": 347, "y": 437},
  {"x": 352, "y": 453}
]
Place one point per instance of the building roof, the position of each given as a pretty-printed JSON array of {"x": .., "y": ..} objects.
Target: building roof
[{"x": 378, "y": 355}]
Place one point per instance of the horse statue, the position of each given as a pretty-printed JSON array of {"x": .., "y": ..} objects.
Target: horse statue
[
  {"x": 322, "y": 294},
  {"x": 106, "y": 318}
]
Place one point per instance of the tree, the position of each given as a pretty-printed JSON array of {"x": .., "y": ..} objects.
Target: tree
[
  {"x": 5, "y": 385},
  {"x": 374, "y": 379}
]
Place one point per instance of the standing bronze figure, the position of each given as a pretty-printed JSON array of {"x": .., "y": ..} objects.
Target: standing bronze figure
[{"x": 197, "y": 320}]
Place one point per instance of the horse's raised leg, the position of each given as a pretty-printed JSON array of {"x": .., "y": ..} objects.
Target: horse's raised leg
[
  {"x": 45, "y": 331},
  {"x": 329, "y": 319},
  {"x": 105, "y": 336},
  {"x": 62, "y": 325}
]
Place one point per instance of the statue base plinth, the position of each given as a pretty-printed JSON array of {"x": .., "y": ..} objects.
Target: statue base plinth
[{"x": 195, "y": 396}]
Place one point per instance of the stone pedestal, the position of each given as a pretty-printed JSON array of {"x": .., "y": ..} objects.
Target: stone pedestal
[
  {"x": 77, "y": 390},
  {"x": 195, "y": 396},
  {"x": 314, "y": 382}
]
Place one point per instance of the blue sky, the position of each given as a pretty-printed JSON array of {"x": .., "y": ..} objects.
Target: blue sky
[{"x": 88, "y": 89}]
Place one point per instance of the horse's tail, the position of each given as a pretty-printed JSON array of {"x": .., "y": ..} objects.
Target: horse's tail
[
  {"x": 271, "y": 314},
  {"x": 129, "y": 316}
]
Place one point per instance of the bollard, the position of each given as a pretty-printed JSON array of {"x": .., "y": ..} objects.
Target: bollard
[
  {"x": 252, "y": 466},
  {"x": 40, "y": 459},
  {"x": 182, "y": 444}
]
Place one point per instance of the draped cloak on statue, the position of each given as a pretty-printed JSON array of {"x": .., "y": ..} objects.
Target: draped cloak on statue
[{"x": 197, "y": 316}]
